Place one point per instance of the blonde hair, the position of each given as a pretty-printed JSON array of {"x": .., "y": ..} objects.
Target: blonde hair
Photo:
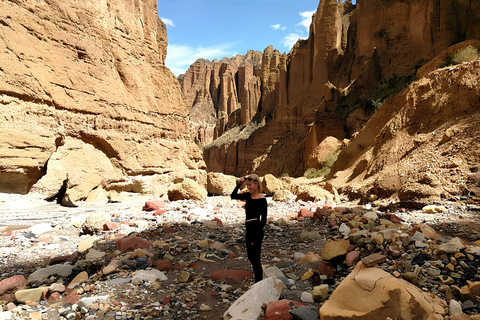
[{"x": 257, "y": 180}]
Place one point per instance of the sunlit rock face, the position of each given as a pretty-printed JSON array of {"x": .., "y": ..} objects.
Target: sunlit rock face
[{"x": 93, "y": 71}]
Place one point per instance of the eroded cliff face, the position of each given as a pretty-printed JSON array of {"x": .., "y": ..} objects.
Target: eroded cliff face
[
  {"x": 90, "y": 72},
  {"x": 349, "y": 50},
  {"x": 222, "y": 93}
]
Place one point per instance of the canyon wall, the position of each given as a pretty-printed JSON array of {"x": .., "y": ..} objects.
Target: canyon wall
[
  {"x": 88, "y": 78},
  {"x": 216, "y": 90},
  {"x": 349, "y": 50}
]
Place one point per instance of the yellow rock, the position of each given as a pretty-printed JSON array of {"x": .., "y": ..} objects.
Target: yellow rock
[{"x": 307, "y": 275}]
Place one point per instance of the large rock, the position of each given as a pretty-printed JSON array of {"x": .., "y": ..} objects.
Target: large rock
[
  {"x": 9, "y": 286},
  {"x": 187, "y": 190},
  {"x": 249, "y": 305},
  {"x": 371, "y": 293},
  {"x": 117, "y": 97},
  {"x": 271, "y": 184},
  {"x": 220, "y": 184}
]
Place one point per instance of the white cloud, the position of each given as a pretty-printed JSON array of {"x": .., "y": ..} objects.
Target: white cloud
[
  {"x": 180, "y": 57},
  {"x": 168, "y": 22},
  {"x": 290, "y": 39},
  {"x": 306, "y": 19},
  {"x": 277, "y": 27}
]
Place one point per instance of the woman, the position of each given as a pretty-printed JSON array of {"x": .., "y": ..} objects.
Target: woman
[{"x": 255, "y": 219}]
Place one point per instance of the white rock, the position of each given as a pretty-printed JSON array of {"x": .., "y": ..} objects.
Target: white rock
[
  {"x": 149, "y": 275},
  {"x": 370, "y": 215},
  {"x": 344, "y": 229},
  {"x": 87, "y": 301},
  {"x": 306, "y": 297},
  {"x": 6, "y": 315},
  {"x": 454, "y": 307},
  {"x": 249, "y": 305},
  {"x": 297, "y": 256},
  {"x": 434, "y": 209},
  {"x": 40, "y": 228},
  {"x": 273, "y": 271}
]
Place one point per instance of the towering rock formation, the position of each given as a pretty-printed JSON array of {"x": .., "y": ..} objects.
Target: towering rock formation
[
  {"x": 217, "y": 91},
  {"x": 349, "y": 50},
  {"x": 88, "y": 77}
]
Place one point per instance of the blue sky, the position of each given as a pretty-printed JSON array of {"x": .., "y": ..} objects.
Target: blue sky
[{"x": 213, "y": 29}]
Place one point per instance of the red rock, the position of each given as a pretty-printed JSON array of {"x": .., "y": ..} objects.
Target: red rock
[
  {"x": 326, "y": 268},
  {"x": 373, "y": 259},
  {"x": 166, "y": 300},
  {"x": 159, "y": 212},
  {"x": 147, "y": 233},
  {"x": 231, "y": 274},
  {"x": 279, "y": 310},
  {"x": 132, "y": 243},
  {"x": 169, "y": 230},
  {"x": 352, "y": 258},
  {"x": 194, "y": 265},
  {"x": 9, "y": 286},
  {"x": 72, "y": 298},
  {"x": 58, "y": 260},
  {"x": 305, "y": 213},
  {"x": 190, "y": 304},
  {"x": 350, "y": 247},
  {"x": 109, "y": 226},
  {"x": 395, "y": 219},
  {"x": 74, "y": 256},
  {"x": 7, "y": 234},
  {"x": 332, "y": 223},
  {"x": 220, "y": 223},
  {"x": 154, "y": 205},
  {"x": 163, "y": 265},
  {"x": 232, "y": 255}
]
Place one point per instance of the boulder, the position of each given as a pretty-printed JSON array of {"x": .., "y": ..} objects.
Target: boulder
[
  {"x": 220, "y": 184},
  {"x": 249, "y": 305},
  {"x": 417, "y": 195},
  {"x": 312, "y": 193},
  {"x": 187, "y": 190},
  {"x": 324, "y": 153},
  {"x": 271, "y": 185},
  {"x": 371, "y": 293},
  {"x": 283, "y": 195},
  {"x": 92, "y": 168}
]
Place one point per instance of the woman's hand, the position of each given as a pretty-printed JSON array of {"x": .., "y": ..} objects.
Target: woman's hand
[{"x": 241, "y": 180}]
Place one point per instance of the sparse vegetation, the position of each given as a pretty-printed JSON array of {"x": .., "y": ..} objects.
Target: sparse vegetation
[
  {"x": 469, "y": 53},
  {"x": 326, "y": 164},
  {"x": 371, "y": 101},
  {"x": 285, "y": 175}
]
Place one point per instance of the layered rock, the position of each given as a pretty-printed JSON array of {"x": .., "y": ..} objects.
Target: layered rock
[
  {"x": 218, "y": 90},
  {"x": 348, "y": 52},
  {"x": 92, "y": 73}
]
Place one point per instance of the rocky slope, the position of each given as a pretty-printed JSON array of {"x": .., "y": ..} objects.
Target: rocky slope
[
  {"x": 422, "y": 144},
  {"x": 312, "y": 92},
  {"x": 86, "y": 98},
  {"x": 222, "y": 93}
]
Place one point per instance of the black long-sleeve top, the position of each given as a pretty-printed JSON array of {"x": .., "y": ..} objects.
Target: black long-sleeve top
[{"x": 254, "y": 208}]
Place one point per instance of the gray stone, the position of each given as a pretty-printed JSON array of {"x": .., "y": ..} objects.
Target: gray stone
[
  {"x": 305, "y": 313},
  {"x": 118, "y": 281},
  {"x": 42, "y": 274}
]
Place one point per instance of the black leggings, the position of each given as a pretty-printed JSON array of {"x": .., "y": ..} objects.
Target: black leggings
[{"x": 253, "y": 239}]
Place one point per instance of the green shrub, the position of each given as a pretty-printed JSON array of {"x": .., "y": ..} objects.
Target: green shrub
[
  {"x": 469, "y": 53},
  {"x": 285, "y": 175},
  {"x": 326, "y": 166}
]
